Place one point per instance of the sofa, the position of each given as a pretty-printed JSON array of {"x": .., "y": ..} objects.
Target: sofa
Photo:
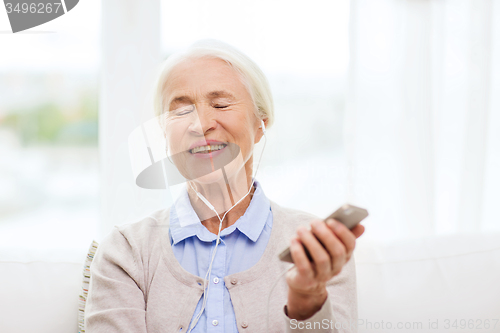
[{"x": 433, "y": 284}]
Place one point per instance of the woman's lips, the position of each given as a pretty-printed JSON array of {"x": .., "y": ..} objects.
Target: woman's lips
[
  {"x": 206, "y": 142},
  {"x": 210, "y": 154}
]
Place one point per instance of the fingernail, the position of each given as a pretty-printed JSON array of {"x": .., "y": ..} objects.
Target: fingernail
[{"x": 335, "y": 224}]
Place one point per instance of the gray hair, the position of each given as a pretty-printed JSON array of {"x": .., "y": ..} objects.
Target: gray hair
[{"x": 252, "y": 76}]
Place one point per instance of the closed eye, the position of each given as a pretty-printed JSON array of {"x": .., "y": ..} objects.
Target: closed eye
[
  {"x": 182, "y": 111},
  {"x": 220, "y": 106}
]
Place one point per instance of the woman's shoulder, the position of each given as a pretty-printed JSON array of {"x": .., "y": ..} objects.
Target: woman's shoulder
[
  {"x": 141, "y": 234},
  {"x": 147, "y": 224}
]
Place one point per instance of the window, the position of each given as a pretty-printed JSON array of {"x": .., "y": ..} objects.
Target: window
[{"x": 49, "y": 195}]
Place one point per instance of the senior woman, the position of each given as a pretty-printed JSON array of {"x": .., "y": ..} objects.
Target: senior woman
[{"x": 209, "y": 263}]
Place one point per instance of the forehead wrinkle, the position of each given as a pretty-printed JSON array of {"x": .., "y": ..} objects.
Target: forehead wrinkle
[
  {"x": 181, "y": 98},
  {"x": 212, "y": 94},
  {"x": 220, "y": 93}
]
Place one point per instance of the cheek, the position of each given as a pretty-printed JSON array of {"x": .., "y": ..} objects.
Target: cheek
[
  {"x": 174, "y": 139},
  {"x": 246, "y": 136},
  {"x": 246, "y": 142},
  {"x": 176, "y": 127}
]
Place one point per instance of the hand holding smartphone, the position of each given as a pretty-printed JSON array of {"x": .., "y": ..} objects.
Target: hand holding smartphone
[{"x": 348, "y": 215}]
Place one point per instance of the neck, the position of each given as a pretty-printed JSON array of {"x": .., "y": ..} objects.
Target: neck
[{"x": 223, "y": 195}]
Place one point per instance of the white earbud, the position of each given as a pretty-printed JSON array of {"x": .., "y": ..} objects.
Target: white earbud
[{"x": 263, "y": 126}]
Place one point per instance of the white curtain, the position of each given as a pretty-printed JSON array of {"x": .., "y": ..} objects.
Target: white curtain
[
  {"x": 422, "y": 128},
  {"x": 130, "y": 41}
]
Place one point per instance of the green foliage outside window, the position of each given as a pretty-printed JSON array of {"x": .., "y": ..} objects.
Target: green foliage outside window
[{"x": 52, "y": 123}]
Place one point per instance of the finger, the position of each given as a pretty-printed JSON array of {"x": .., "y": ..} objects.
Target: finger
[
  {"x": 336, "y": 249},
  {"x": 300, "y": 258},
  {"x": 321, "y": 258},
  {"x": 334, "y": 246},
  {"x": 358, "y": 230},
  {"x": 344, "y": 235}
]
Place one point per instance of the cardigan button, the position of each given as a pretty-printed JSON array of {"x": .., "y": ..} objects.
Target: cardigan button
[
  {"x": 244, "y": 324},
  {"x": 233, "y": 281}
]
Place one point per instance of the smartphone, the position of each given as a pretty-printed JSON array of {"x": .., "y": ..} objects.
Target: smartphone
[{"x": 348, "y": 215}]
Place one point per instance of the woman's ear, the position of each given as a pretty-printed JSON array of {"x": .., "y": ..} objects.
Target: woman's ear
[{"x": 262, "y": 127}]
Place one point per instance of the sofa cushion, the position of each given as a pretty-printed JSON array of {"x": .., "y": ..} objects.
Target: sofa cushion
[
  {"x": 40, "y": 289},
  {"x": 445, "y": 281},
  {"x": 85, "y": 286}
]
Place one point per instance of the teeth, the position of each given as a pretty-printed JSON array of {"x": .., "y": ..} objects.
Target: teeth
[{"x": 207, "y": 149}]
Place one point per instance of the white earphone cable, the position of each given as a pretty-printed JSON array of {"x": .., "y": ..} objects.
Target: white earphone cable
[{"x": 205, "y": 285}]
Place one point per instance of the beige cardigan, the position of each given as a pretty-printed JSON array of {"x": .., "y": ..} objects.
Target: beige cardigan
[{"x": 137, "y": 285}]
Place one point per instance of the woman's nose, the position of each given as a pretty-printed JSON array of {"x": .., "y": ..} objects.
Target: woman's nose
[{"x": 204, "y": 121}]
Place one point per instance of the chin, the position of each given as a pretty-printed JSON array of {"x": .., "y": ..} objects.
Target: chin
[{"x": 214, "y": 177}]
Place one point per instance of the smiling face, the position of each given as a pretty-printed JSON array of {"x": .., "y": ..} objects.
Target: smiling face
[{"x": 212, "y": 117}]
